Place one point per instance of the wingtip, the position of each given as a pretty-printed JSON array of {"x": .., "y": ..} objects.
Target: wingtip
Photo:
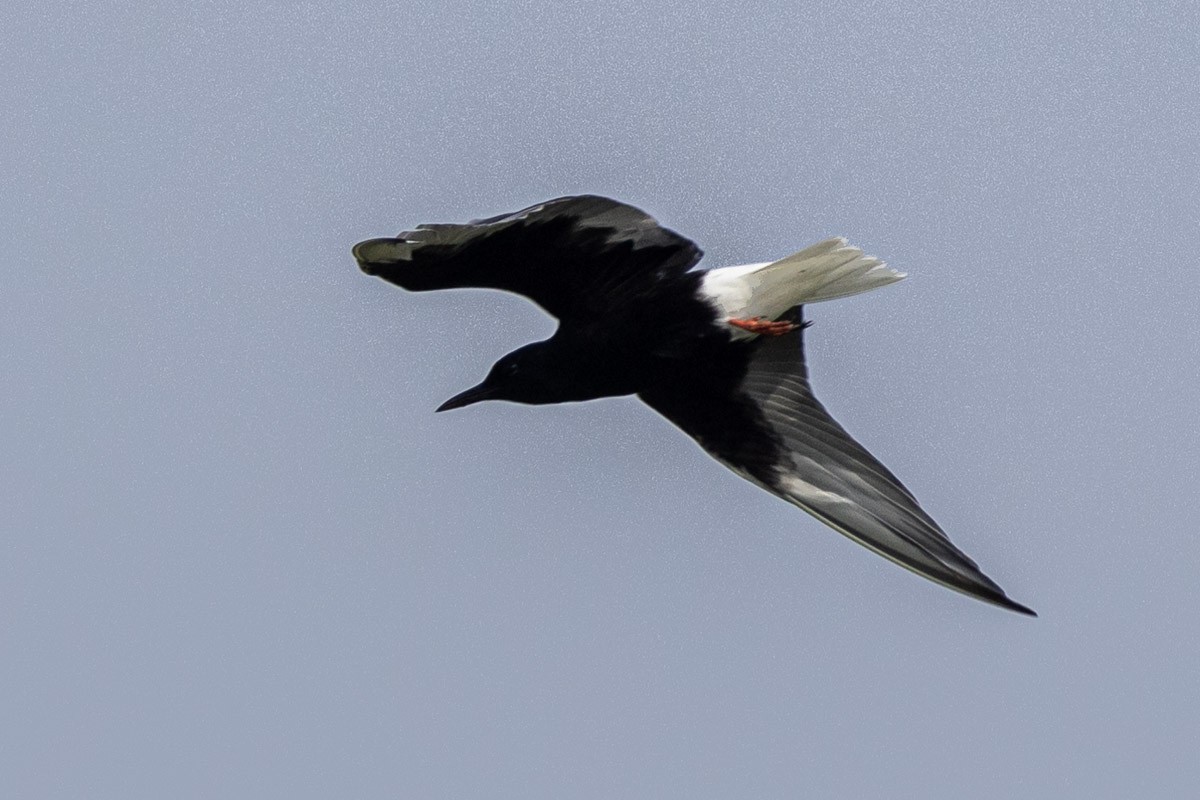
[
  {"x": 1013, "y": 605},
  {"x": 373, "y": 253}
]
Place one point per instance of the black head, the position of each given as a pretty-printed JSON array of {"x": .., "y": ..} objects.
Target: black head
[{"x": 523, "y": 376}]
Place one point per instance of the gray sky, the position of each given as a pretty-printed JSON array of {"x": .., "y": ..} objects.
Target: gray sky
[{"x": 241, "y": 557}]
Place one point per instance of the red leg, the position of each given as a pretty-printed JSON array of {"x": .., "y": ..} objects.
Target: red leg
[{"x": 763, "y": 326}]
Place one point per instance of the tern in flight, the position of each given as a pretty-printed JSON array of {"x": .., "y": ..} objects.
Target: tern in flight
[{"x": 719, "y": 353}]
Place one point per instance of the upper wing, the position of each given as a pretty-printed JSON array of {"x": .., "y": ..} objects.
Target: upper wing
[
  {"x": 773, "y": 431},
  {"x": 573, "y": 256}
]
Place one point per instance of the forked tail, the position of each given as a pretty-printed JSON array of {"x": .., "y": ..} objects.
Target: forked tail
[{"x": 825, "y": 271}]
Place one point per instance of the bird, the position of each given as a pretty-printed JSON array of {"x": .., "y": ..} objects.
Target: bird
[{"x": 717, "y": 352}]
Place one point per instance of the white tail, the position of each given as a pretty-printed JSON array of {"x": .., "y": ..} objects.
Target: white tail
[{"x": 824, "y": 271}]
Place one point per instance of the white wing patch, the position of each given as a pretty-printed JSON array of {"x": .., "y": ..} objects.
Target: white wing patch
[{"x": 804, "y": 492}]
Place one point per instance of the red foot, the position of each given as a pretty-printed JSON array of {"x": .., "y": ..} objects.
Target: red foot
[{"x": 764, "y": 326}]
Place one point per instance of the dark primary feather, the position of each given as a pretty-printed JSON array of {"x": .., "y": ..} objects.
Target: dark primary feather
[
  {"x": 770, "y": 428},
  {"x": 576, "y": 257}
]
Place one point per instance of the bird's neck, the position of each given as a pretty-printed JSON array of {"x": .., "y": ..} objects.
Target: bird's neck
[{"x": 579, "y": 367}]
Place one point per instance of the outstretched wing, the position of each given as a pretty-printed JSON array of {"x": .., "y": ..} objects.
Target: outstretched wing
[
  {"x": 771, "y": 430},
  {"x": 573, "y": 256}
]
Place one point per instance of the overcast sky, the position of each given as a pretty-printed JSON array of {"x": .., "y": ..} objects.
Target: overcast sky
[{"x": 241, "y": 557}]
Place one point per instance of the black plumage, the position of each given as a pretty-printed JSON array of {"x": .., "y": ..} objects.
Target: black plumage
[{"x": 634, "y": 318}]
